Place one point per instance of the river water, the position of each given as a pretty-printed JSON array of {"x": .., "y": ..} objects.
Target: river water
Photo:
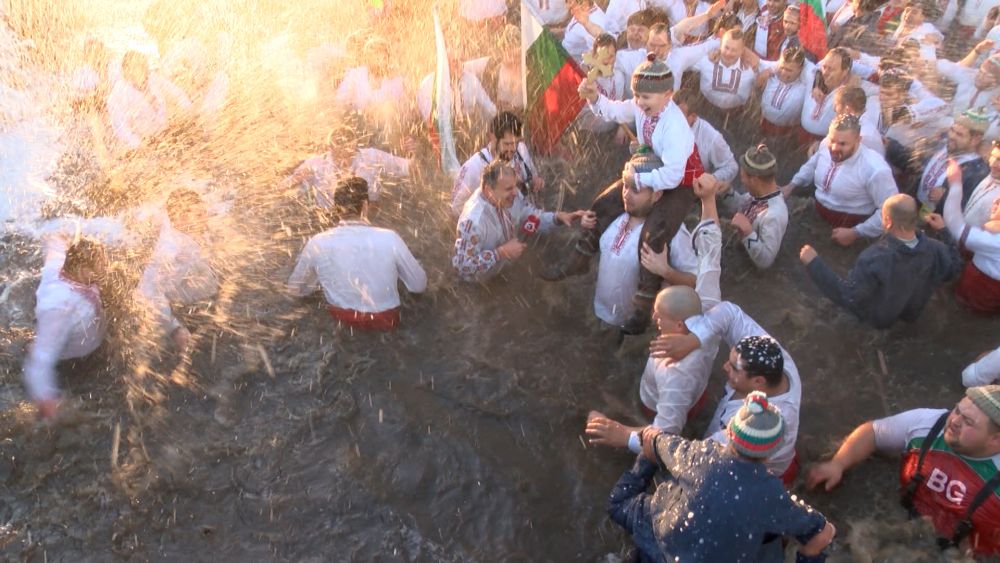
[{"x": 456, "y": 438}]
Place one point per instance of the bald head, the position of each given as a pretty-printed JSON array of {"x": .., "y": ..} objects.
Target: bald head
[
  {"x": 900, "y": 212},
  {"x": 677, "y": 303}
]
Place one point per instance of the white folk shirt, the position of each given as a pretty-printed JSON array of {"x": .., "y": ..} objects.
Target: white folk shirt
[
  {"x": 69, "y": 323},
  {"x": 984, "y": 371},
  {"x": 671, "y": 138},
  {"x": 577, "y": 40},
  {"x": 980, "y": 203},
  {"x": 357, "y": 93},
  {"x": 768, "y": 216},
  {"x": 483, "y": 227},
  {"x": 471, "y": 174},
  {"x": 358, "y": 267},
  {"x": 322, "y": 173},
  {"x": 934, "y": 172},
  {"x": 676, "y": 10},
  {"x": 478, "y": 10},
  {"x": 136, "y": 116},
  {"x": 985, "y": 247},
  {"x": 728, "y": 322},
  {"x": 716, "y": 156},
  {"x": 816, "y": 116},
  {"x": 618, "y": 268},
  {"x": 551, "y": 12},
  {"x": 973, "y": 12},
  {"x": 858, "y": 185},
  {"x": 178, "y": 273},
  {"x": 626, "y": 62},
  {"x": 967, "y": 96},
  {"x": 764, "y": 25},
  {"x": 781, "y": 102},
  {"x": 671, "y": 388},
  {"x": 725, "y": 86},
  {"x": 618, "y": 13},
  {"x": 472, "y": 103}
]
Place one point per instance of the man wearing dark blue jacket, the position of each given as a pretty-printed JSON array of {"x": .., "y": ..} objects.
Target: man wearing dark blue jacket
[{"x": 893, "y": 278}]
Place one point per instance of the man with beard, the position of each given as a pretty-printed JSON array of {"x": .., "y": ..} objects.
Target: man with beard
[
  {"x": 964, "y": 138},
  {"x": 851, "y": 182},
  {"x": 950, "y": 477},
  {"x": 670, "y": 391},
  {"x": 491, "y": 222},
  {"x": 894, "y": 278},
  {"x": 664, "y": 131},
  {"x": 505, "y": 144},
  {"x": 974, "y": 87}
]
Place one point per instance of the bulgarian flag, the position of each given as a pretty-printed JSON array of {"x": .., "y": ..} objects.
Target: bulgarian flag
[
  {"x": 812, "y": 27},
  {"x": 550, "y": 79},
  {"x": 442, "y": 106}
]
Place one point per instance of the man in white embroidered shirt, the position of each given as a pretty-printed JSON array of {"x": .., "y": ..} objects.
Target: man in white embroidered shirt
[
  {"x": 69, "y": 316},
  {"x": 357, "y": 265},
  {"x": 495, "y": 221},
  {"x": 851, "y": 180},
  {"x": 178, "y": 272}
]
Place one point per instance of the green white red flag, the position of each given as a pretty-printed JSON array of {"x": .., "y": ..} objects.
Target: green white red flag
[
  {"x": 812, "y": 27},
  {"x": 442, "y": 106},
  {"x": 550, "y": 80}
]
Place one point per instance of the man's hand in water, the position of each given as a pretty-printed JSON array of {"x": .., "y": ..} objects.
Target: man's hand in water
[
  {"x": 47, "y": 408},
  {"x": 182, "y": 338},
  {"x": 603, "y": 431},
  {"x": 828, "y": 473},
  {"x": 673, "y": 346}
]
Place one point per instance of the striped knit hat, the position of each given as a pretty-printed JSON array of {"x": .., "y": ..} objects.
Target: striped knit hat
[
  {"x": 987, "y": 398},
  {"x": 975, "y": 119},
  {"x": 652, "y": 77},
  {"x": 757, "y": 428}
]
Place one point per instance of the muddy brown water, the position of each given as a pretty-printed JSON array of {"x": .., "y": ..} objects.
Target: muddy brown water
[{"x": 456, "y": 438}]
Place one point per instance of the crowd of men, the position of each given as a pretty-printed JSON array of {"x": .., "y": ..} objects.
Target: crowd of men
[{"x": 902, "y": 157}]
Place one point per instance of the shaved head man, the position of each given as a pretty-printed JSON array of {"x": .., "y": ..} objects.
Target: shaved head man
[{"x": 893, "y": 278}]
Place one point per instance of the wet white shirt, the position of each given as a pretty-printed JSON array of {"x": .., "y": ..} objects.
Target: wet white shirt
[
  {"x": 626, "y": 61},
  {"x": 980, "y": 202},
  {"x": 482, "y": 228},
  {"x": 725, "y": 86},
  {"x": 984, "y": 245},
  {"x": 358, "y": 267},
  {"x": 781, "y": 102},
  {"x": 716, "y": 156},
  {"x": 322, "y": 173},
  {"x": 471, "y": 102},
  {"x": 769, "y": 218},
  {"x": 136, "y": 116},
  {"x": 471, "y": 174},
  {"x": 551, "y": 12},
  {"x": 178, "y": 273},
  {"x": 672, "y": 139},
  {"x": 69, "y": 323},
  {"x": 677, "y": 11},
  {"x": 967, "y": 96},
  {"x": 577, "y": 40},
  {"x": 857, "y": 185},
  {"x": 672, "y": 388},
  {"x": 984, "y": 371},
  {"x": 478, "y": 10},
  {"x": 618, "y": 267},
  {"x": 816, "y": 116},
  {"x": 357, "y": 93},
  {"x": 730, "y": 323},
  {"x": 618, "y": 13}
]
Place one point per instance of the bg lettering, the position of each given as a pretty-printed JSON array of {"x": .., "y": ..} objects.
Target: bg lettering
[{"x": 953, "y": 490}]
